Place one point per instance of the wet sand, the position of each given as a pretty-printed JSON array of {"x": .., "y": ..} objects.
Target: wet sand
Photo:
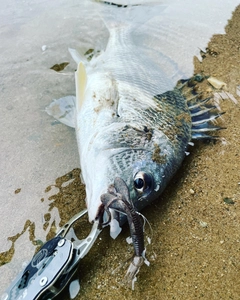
[{"x": 195, "y": 247}]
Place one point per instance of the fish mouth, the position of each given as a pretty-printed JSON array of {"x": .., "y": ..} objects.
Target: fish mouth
[{"x": 118, "y": 199}]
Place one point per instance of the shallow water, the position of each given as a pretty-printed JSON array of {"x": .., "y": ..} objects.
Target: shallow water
[{"x": 195, "y": 245}]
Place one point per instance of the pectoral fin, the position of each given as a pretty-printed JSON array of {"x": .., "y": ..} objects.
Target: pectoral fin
[
  {"x": 63, "y": 110},
  {"x": 77, "y": 56}
]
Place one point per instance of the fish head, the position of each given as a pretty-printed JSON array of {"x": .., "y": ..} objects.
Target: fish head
[
  {"x": 145, "y": 179},
  {"x": 143, "y": 175}
]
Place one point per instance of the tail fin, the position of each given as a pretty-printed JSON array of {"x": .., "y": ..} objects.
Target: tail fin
[
  {"x": 125, "y": 14},
  {"x": 203, "y": 114}
]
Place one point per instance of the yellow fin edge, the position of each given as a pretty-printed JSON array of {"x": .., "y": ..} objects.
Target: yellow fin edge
[{"x": 80, "y": 82}]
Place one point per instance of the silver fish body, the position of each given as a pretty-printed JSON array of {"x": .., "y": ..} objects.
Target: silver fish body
[
  {"x": 133, "y": 125},
  {"x": 130, "y": 133},
  {"x": 130, "y": 120}
]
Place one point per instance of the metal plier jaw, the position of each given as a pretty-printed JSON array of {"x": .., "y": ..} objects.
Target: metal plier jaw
[{"x": 52, "y": 267}]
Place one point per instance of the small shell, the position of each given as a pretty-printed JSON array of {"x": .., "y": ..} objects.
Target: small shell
[
  {"x": 191, "y": 191},
  {"x": 203, "y": 224},
  {"x": 44, "y": 48},
  {"x": 216, "y": 83},
  {"x": 238, "y": 90}
]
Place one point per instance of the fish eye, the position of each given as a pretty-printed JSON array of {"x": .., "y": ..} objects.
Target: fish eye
[{"x": 142, "y": 182}]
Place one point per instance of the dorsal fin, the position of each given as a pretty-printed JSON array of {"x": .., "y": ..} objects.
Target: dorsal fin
[{"x": 80, "y": 82}]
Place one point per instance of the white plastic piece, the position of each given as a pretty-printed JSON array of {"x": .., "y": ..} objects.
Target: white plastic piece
[
  {"x": 218, "y": 84},
  {"x": 74, "y": 288},
  {"x": 115, "y": 229},
  {"x": 129, "y": 240}
]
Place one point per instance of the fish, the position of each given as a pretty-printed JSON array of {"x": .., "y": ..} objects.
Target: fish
[{"x": 134, "y": 123}]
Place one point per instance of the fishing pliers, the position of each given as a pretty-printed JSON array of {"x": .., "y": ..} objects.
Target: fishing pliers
[{"x": 53, "y": 266}]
